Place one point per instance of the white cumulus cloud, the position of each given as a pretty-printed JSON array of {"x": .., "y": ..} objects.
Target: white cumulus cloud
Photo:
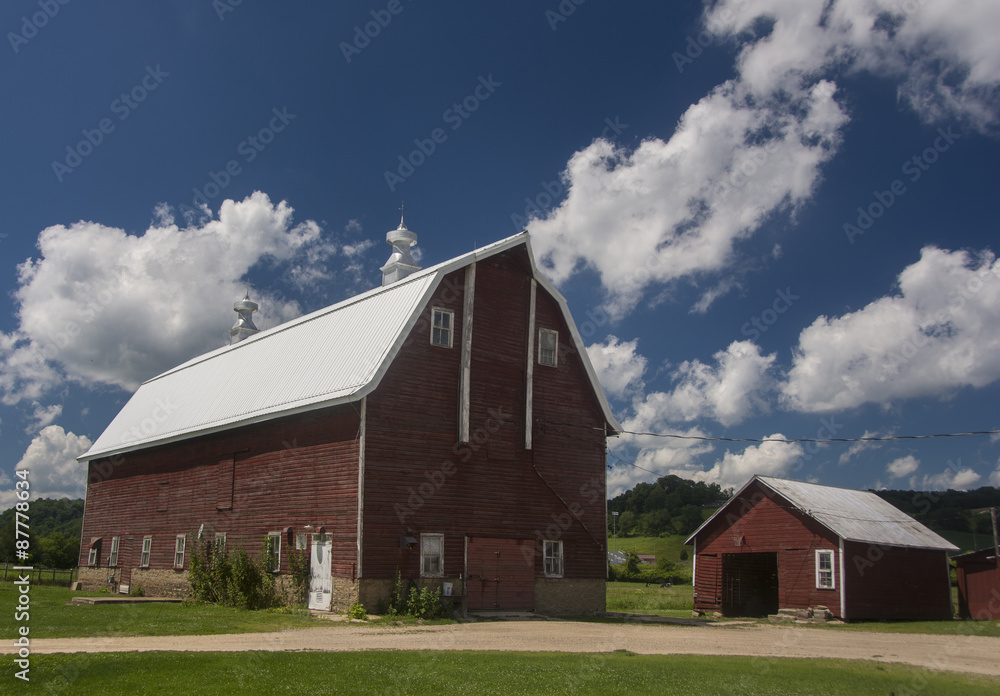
[
  {"x": 733, "y": 470},
  {"x": 619, "y": 367},
  {"x": 939, "y": 333},
  {"x": 951, "y": 478},
  {"x": 903, "y": 466},
  {"x": 51, "y": 462}
]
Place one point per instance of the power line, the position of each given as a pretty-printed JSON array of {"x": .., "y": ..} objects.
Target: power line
[{"x": 786, "y": 440}]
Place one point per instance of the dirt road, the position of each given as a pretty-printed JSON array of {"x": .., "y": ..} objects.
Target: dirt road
[{"x": 952, "y": 653}]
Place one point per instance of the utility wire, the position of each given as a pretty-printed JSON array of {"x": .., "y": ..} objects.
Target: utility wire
[{"x": 785, "y": 440}]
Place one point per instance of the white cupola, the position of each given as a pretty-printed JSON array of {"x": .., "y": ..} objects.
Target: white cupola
[
  {"x": 244, "y": 325},
  {"x": 401, "y": 262}
]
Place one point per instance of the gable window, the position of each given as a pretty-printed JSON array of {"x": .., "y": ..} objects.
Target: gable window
[
  {"x": 824, "y": 570},
  {"x": 442, "y": 329},
  {"x": 548, "y": 347},
  {"x": 113, "y": 558},
  {"x": 147, "y": 547},
  {"x": 179, "y": 544},
  {"x": 431, "y": 553},
  {"x": 94, "y": 556},
  {"x": 553, "y": 554},
  {"x": 272, "y": 551}
]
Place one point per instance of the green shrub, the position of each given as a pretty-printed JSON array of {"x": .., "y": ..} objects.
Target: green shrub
[
  {"x": 235, "y": 580},
  {"x": 357, "y": 611}
]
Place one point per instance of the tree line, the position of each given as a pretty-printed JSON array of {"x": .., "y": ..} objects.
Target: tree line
[
  {"x": 671, "y": 505},
  {"x": 54, "y": 528}
]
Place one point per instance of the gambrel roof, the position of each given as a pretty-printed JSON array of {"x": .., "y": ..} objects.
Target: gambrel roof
[
  {"x": 852, "y": 515},
  {"x": 332, "y": 356}
]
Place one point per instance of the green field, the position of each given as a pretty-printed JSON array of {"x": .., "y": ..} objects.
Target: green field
[
  {"x": 487, "y": 673},
  {"x": 636, "y": 598}
]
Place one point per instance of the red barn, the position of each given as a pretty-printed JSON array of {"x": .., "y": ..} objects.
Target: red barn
[
  {"x": 780, "y": 544},
  {"x": 448, "y": 425},
  {"x": 978, "y": 575}
]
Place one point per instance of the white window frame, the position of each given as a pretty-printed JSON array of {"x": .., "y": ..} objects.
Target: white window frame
[
  {"x": 548, "y": 356},
  {"x": 180, "y": 542},
  {"x": 273, "y": 552},
  {"x": 147, "y": 549},
  {"x": 552, "y": 558},
  {"x": 94, "y": 555},
  {"x": 113, "y": 557},
  {"x": 448, "y": 331},
  {"x": 821, "y": 583},
  {"x": 219, "y": 543},
  {"x": 428, "y": 555},
  {"x": 301, "y": 541}
]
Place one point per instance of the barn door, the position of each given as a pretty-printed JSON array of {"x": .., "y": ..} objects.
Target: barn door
[
  {"x": 501, "y": 574},
  {"x": 320, "y": 572},
  {"x": 749, "y": 584}
]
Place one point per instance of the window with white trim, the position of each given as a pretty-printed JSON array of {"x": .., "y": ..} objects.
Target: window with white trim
[
  {"x": 300, "y": 542},
  {"x": 272, "y": 552},
  {"x": 548, "y": 347},
  {"x": 179, "y": 543},
  {"x": 824, "y": 570},
  {"x": 94, "y": 557},
  {"x": 147, "y": 547},
  {"x": 442, "y": 328},
  {"x": 553, "y": 555},
  {"x": 431, "y": 555},
  {"x": 220, "y": 542},
  {"x": 113, "y": 558}
]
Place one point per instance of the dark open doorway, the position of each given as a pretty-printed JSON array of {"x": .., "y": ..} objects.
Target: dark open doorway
[{"x": 749, "y": 584}]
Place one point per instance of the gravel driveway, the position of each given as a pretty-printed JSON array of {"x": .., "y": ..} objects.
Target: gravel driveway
[{"x": 977, "y": 655}]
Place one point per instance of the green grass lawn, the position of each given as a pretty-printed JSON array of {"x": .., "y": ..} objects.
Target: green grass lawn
[
  {"x": 636, "y": 598},
  {"x": 671, "y": 546},
  {"x": 487, "y": 673},
  {"x": 52, "y": 618}
]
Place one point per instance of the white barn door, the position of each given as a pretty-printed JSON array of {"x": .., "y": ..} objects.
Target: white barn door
[{"x": 320, "y": 575}]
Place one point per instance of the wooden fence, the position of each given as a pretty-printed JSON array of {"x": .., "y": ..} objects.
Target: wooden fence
[{"x": 40, "y": 576}]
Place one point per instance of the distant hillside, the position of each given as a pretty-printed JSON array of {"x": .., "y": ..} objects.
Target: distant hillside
[
  {"x": 672, "y": 505},
  {"x": 955, "y": 511},
  {"x": 54, "y": 533}
]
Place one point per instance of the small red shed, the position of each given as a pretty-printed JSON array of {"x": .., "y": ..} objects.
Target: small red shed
[
  {"x": 978, "y": 585},
  {"x": 780, "y": 544}
]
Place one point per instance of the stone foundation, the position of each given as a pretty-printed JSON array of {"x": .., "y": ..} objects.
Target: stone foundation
[
  {"x": 569, "y": 596},
  {"x": 154, "y": 582}
]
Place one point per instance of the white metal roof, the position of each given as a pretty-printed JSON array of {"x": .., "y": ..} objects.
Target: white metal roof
[
  {"x": 852, "y": 515},
  {"x": 332, "y": 356}
]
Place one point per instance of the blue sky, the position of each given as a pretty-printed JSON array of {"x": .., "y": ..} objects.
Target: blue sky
[{"x": 771, "y": 219}]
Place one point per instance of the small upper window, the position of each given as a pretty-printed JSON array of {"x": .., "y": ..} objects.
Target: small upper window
[
  {"x": 113, "y": 558},
  {"x": 824, "y": 570},
  {"x": 273, "y": 551},
  {"x": 442, "y": 329},
  {"x": 553, "y": 559},
  {"x": 431, "y": 553},
  {"x": 548, "y": 347},
  {"x": 147, "y": 546},
  {"x": 179, "y": 545}
]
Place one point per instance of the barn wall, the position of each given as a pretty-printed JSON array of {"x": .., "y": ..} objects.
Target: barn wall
[
  {"x": 288, "y": 472},
  {"x": 892, "y": 583},
  {"x": 760, "y": 521},
  {"x": 418, "y": 478},
  {"x": 978, "y": 588}
]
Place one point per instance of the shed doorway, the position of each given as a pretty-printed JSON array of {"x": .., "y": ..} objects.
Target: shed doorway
[{"x": 749, "y": 584}]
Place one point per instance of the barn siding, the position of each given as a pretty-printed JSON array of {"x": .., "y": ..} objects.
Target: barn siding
[
  {"x": 247, "y": 482},
  {"x": 418, "y": 478},
  {"x": 978, "y": 586},
  {"x": 890, "y": 583},
  {"x": 761, "y": 521}
]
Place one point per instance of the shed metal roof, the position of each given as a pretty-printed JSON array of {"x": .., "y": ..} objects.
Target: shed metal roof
[
  {"x": 852, "y": 515},
  {"x": 331, "y": 356}
]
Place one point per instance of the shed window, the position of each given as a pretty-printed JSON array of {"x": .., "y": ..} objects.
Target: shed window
[
  {"x": 113, "y": 558},
  {"x": 548, "y": 347},
  {"x": 273, "y": 551},
  {"x": 553, "y": 553},
  {"x": 147, "y": 547},
  {"x": 179, "y": 544},
  {"x": 824, "y": 570},
  {"x": 442, "y": 329},
  {"x": 431, "y": 553}
]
